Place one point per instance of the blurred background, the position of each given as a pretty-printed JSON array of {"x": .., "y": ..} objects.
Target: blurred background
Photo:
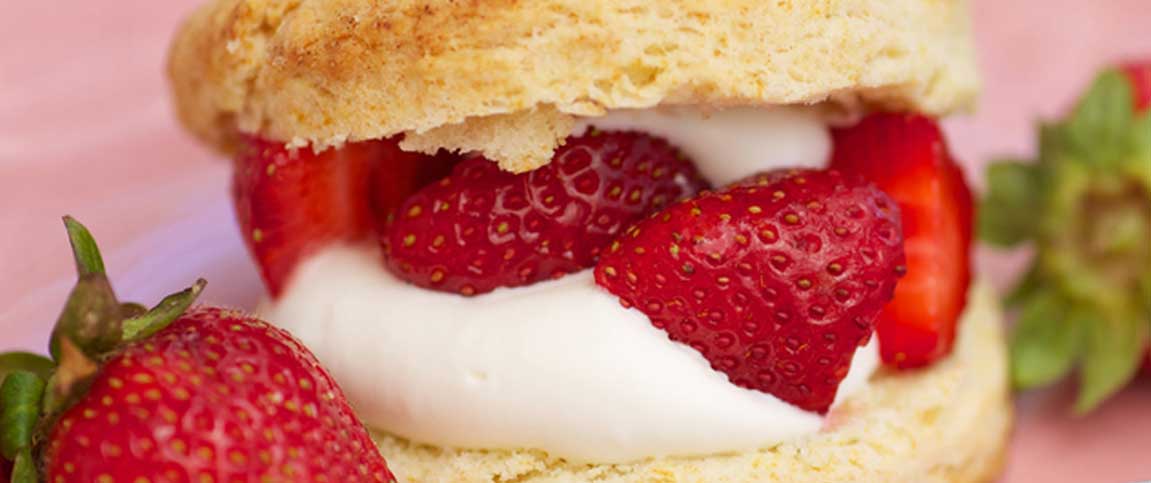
[{"x": 86, "y": 129}]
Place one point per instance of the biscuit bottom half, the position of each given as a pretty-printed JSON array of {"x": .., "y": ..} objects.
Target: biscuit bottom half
[{"x": 947, "y": 423}]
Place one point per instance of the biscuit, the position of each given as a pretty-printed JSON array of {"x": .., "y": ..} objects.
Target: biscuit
[{"x": 325, "y": 72}]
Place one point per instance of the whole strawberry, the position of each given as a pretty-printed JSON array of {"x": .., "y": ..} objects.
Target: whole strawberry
[
  {"x": 1084, "y": 206},
  {"x": 776, "y": 280},
  {"x": 171, "y": 394},
  {"x": 482, "y": 228}
]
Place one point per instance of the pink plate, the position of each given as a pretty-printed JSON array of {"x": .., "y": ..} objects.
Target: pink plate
[{"x": 86, "y": 129}]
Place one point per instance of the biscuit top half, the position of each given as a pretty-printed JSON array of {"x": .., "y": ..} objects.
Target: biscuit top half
[{"x": 508, "y": 78}]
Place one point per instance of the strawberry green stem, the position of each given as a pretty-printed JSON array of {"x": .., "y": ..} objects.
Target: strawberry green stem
[{"x": 20, "y": 396}]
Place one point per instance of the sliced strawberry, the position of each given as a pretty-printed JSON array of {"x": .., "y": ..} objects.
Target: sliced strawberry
[
  {"x": 397, "y": 174},
  {"x": 481, "y": 228},
  {"x": 1140, "y": 75},
  {"x": 907, "y": 157},
  {"x": 292, "y": 202},
  {"x": 776, "y": 281}
]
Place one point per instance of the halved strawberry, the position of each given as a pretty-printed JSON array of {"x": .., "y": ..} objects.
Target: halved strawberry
[
  {"x": 907, "y": 157},
  {"x": 481, "y": 228},
  {"x": 397, "y": 174},
  {"x": 290, "y": 203},
  {"x": 776, "y": 281},
  {"x": 1140, "y": 75}
]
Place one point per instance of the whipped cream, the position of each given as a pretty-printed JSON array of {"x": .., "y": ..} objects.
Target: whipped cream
[
  {"x": 734, "y": 143},
  {"x": 559, "y": 366}
]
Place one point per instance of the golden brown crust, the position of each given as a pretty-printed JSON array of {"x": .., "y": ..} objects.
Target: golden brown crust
[
  {"x": 949, "y": 423},
  {"x": 328, "y": 71}
]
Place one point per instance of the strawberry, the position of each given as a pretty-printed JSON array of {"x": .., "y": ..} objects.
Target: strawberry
[
  {"x": 776, "y": 281},
  {"x": 291, "y": 203},
  {"x": 1139, "y": 73},
  {"x": 1081, "y": 203},
  {"x": 398, "y": 174},
  {"x": 907, "y": 157},
  {"x": 216, "y": 393},
  {"x": 481, "y": 228},
  {"x": 171, "y": 394}
]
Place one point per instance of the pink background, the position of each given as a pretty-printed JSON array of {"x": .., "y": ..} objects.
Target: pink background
[{"x": 86, "y": 129}]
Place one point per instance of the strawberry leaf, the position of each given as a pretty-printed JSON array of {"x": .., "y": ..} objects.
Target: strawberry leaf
[
  {"x": 1112, "y": 355},
  {"x": 1027, "y": 286},
  {"x": 1098, "y": 130},
  {"x": 1145, "y": 288},
  {"x": 24, "y": 467},
  {"x": 20, "y": 396},
  {"x": 1007, "y": 214},
  {"x": 25, "y": 361},
  {"x": 88, "y": 259},
  {"x": 1141, "y": 148},
  {"x": 1044, "y": 343},
  {"x": 168, "y": 310}
]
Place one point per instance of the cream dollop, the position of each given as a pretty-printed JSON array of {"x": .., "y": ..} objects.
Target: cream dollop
[
  {"x": 734, "y": 143},
  {"x": 559, "y": 366}
]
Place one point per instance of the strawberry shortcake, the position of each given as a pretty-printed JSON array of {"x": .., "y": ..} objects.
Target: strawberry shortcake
[{"x": 617, "y": 240}]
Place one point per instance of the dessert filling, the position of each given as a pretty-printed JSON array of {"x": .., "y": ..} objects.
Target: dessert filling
[{"x": 557, "y": 365}]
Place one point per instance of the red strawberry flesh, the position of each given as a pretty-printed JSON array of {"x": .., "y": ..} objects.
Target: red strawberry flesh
[
  {"x": 907, "y": 157},
  {"x": 482, "y": 228},
  {"x": 776, "y": 281},
  {"x": 397, "y": 174},
  {"x": 291, "y": 203},
  {"x": 213, "y": 397}
]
